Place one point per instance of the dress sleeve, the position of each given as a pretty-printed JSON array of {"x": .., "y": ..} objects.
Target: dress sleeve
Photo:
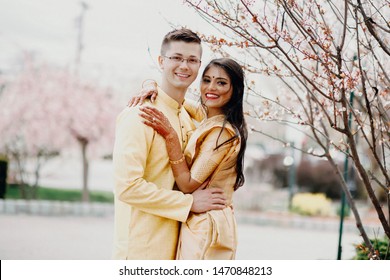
[
  {"x": 194, "y": 110},
  {"x": 208, "y": 158},
  {"x": 132, "y": 143}
]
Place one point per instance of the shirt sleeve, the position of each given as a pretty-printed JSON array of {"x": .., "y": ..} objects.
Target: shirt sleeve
[
  {"x": 194, "y": 110},
  {"x": 132, "y": 143},
  {"x": 208, "y": 158}
]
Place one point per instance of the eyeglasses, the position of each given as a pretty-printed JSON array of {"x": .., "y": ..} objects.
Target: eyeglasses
[{"x": 180, "y": 59}]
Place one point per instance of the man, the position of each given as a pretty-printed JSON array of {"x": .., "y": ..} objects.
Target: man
[{"x": 147, "y": 210}]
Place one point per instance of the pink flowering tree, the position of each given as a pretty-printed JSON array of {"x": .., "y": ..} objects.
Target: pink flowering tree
[
  {"x": 29, "y": 123},
  {"x": 90, "y": 113},
  {"x": 331, "y": 61},
  {"x": 46, "y": 110}
]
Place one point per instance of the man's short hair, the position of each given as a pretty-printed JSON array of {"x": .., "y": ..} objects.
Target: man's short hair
[{"x": 183, "y": 34}]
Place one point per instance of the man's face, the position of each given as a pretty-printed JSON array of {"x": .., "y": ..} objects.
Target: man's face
[{"x": 176, "y": 72}]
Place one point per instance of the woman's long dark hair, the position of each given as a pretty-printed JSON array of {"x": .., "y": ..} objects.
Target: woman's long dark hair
[{"x": 233, "y": 110}]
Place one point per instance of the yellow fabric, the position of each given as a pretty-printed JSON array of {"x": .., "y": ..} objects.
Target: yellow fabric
[
  {"x": 196, "y": 112},
  {"x": 147, "y": 210},
  {"x": 206, "y": 158},
  {"x": 211, "y": 235}
]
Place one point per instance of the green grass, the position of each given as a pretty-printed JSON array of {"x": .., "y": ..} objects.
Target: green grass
[
  {"x": 381, "y": 246},
  {"x": 44, "y": 193}
]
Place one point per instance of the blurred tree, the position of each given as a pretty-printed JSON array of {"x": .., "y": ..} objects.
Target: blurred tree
[
  {"x": 323, "y": 53},
  {"x": 44, "y": 109},
  {"x": 29, "y": 120},
  {"x": 90, "y": 113}
]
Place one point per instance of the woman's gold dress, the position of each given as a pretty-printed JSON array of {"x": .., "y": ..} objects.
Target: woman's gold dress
[{"x": 211, "y": 235}]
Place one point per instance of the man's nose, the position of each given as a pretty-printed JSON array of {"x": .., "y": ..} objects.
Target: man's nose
[{"x": 184, "y": 63}]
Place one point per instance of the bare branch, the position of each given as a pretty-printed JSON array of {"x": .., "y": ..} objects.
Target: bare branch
[{"x": 370, "y": 26}]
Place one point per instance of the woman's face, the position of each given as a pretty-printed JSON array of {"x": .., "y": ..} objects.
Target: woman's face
[{"x": 216, "y": 90}]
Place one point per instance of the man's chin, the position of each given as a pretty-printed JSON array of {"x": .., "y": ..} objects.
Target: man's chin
[{"x": 183, "y": 85}]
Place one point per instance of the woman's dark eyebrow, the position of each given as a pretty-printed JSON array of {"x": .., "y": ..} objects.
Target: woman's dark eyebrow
[
  {"x": 219, "y": 78},
  {"x": 222, "y": 79}
]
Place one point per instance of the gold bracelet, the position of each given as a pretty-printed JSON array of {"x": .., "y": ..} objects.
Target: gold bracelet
[{"x": 177, "y": 161}]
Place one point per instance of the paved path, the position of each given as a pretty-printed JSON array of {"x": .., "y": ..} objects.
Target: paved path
[{"x": 79, "y": 238}]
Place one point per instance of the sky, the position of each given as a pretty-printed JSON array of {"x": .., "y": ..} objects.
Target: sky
[{"x": 121, "y": 38}]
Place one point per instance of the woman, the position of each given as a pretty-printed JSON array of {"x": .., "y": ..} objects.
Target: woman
[{"x": 214, "y": 153}]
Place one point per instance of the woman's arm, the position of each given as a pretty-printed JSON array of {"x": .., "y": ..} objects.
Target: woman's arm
[
  {"x": 208, "y": 158},
  {"x": 149, "y": 91},
  {"x": 155, "y": 119}
]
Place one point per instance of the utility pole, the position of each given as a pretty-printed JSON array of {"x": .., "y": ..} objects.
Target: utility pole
[
  {"x": 80, "y": 35},
  {"x": 82, "y": 140},
  {"x": 347, "y": 180}
]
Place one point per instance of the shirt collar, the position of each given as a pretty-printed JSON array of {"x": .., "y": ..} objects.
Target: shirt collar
[{"x": 165, "y": 98}]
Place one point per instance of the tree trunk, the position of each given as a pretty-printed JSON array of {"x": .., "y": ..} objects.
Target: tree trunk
[
  {"x": 34, "y": 190},
  {"x": 22, "y": 184},
  {"x": 84, "y": 143}
]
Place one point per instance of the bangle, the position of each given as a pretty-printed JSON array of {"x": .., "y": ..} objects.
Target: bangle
[{"x": 177, "y": 161}]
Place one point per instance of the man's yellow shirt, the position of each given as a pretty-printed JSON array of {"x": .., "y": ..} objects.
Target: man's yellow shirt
[{"x": 147, "y": 210}]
